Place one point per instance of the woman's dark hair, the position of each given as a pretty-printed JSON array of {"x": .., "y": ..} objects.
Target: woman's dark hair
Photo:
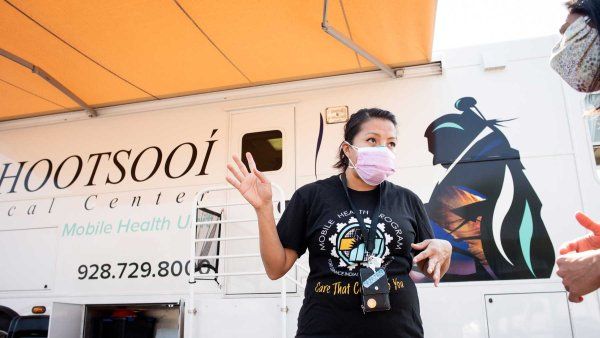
[
  {"x": 591, "y": 8},
  {"x": 353, "y": 125}
]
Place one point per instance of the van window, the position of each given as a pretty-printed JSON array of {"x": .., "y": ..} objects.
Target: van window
[
  {"x": 266, "y": 148},
  {"x": 594, "y": 127}
]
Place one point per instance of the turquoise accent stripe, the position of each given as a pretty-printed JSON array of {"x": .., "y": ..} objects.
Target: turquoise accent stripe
[
  {"x": 449, "y": 125},
  {"x": 525, "y": 236}
]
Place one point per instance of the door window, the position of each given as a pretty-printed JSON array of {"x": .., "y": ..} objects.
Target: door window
[{"x": 266, "y": 148}]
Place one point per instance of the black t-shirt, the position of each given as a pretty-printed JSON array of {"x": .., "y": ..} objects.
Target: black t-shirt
[{"x": 319, "y": 218}]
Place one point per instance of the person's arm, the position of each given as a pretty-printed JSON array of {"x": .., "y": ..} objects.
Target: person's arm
[
  {"x": 579, "y": 263},
  {"x": 434, "y": 257},
  {"x": 256, "y": 189},
  {"x": 276, "y": 259}
]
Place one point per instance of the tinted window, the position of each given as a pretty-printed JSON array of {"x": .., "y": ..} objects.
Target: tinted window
[{"x": 266, "y": 149}]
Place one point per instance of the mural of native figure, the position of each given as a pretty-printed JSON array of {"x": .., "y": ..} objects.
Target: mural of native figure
[{"x": 484, "y": 204}]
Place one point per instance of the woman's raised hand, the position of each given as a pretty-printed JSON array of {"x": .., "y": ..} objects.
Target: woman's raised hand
[{"x": 253, "y": 185}]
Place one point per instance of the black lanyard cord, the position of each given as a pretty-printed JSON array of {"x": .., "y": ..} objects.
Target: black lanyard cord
[{"x": 368, "y": 236}]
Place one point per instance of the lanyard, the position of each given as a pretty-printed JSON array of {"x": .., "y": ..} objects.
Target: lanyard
[{"x": 367, "y": 236}]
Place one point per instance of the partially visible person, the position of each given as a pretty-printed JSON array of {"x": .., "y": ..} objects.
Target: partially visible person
[
  {"x": 576, "y": 58},
  {"x": 579, "y": 263}
]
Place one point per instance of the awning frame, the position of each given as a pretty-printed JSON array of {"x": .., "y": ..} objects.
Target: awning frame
[
  {"x": 352, "y": 45},
  {"x": 48, "y": 78}
]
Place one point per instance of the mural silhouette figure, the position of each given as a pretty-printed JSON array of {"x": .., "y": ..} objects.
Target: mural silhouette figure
[{"x": 484, "y": 204}]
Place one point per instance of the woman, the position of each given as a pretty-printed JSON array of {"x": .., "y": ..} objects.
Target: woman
[
  {"x": 326, "y": 217},
  {"x": 576, "y": 58}
]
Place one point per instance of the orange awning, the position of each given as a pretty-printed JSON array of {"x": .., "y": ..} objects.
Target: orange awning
[{"x": 111, "y": 52}]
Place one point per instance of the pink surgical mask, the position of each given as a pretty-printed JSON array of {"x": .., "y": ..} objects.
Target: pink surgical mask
[{"x": 373, "y": 164}]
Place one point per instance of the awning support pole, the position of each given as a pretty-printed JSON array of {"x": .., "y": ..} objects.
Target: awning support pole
[
  {"x": 350, "y": 44},
  {"x": 39, "y": 71}
]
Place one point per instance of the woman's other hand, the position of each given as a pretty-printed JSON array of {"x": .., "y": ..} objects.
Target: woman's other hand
[
  {"x": 588, "y": 242},
  {"x": 434, "y": 260},
  {"x": 253, "y": 185}
]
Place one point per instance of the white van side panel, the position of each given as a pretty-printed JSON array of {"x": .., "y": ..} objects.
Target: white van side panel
[{"x": 548, "y": 132}]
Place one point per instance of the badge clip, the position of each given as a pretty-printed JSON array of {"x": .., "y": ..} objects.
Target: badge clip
[{"x": 374, "y": 262}]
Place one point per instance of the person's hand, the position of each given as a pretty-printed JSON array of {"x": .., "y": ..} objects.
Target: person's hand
[
  {"x": 580, "y": 273},
  {"x": 436, "y": 254},
  {"x": 590, "y": 241},
  {"x": 254, "y": 186}
]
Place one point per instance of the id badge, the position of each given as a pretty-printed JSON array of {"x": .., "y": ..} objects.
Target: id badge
[{"x": 375, "y": 289}]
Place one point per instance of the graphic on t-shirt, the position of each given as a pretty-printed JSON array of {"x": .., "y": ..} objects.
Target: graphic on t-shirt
[
  {"x": 484, "y": 204},
  {"x": 348, "y": 247}
]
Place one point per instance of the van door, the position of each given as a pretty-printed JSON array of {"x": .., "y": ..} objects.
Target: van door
[
  {"x": 66, "y": 320},
  {"x": 267, "y": 132}
]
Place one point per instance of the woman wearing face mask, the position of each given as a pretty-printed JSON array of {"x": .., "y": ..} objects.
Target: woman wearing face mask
[
  {"x": 576, "y": 58},
  {"x": 363, "y": 234}
]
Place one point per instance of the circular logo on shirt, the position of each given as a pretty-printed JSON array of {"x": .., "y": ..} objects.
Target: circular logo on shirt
[{"x": 348, "y": 246}]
